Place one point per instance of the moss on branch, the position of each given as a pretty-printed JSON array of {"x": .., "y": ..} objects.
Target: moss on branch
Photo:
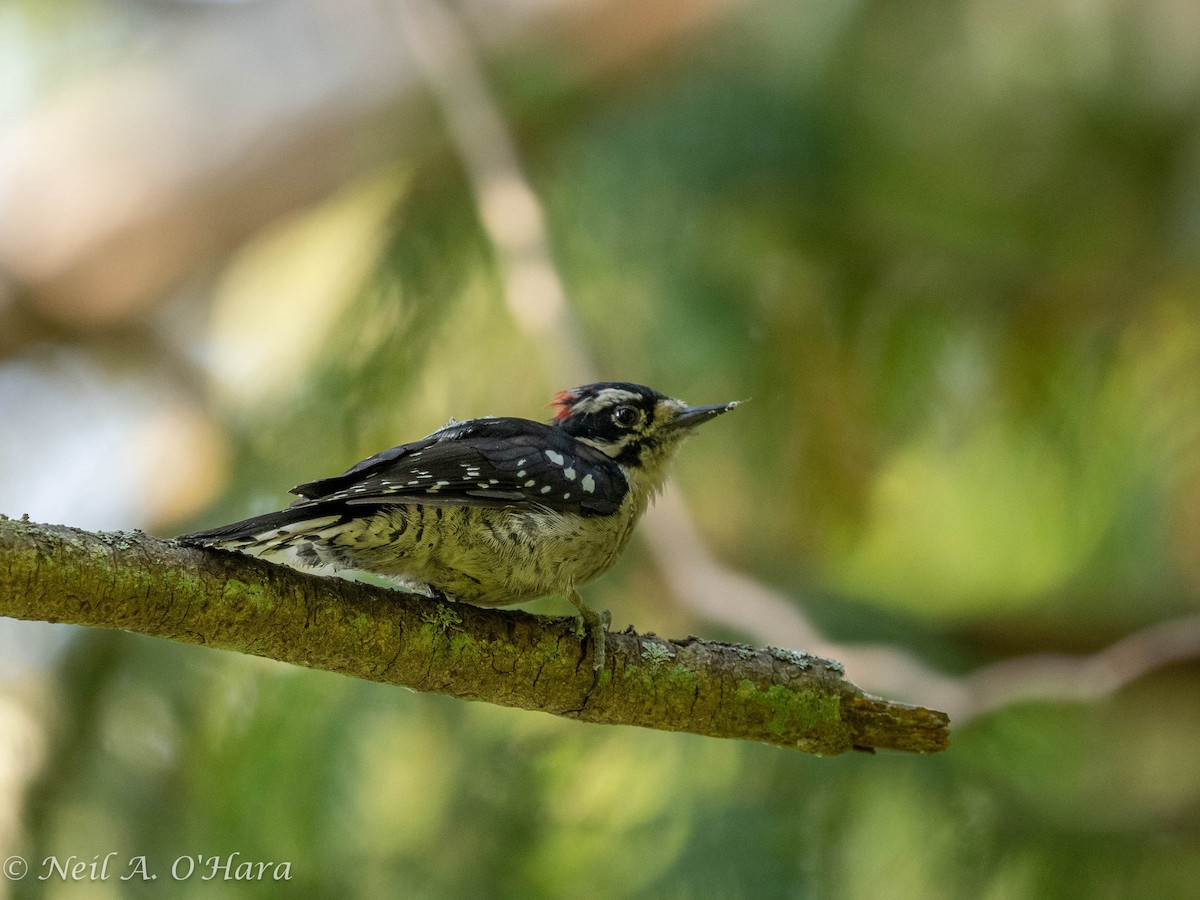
[{"x": 132, "y": 581}]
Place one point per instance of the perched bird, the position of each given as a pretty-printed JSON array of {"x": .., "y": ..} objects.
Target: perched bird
[{"x": 491, "y": 511}]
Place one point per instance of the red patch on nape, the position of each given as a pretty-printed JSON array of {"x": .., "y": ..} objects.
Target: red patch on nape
[{"x": 561, "y": 404}]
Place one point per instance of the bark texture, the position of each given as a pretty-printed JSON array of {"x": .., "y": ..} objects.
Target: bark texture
[{"x": 135, "y": 582}]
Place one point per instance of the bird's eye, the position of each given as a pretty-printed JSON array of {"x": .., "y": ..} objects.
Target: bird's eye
[{"x": 626, "y": 416}]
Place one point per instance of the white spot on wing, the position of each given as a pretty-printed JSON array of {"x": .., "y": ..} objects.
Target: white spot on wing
[
  {"x": 546, "y": 489},
  {"x": 588, "y": 483},
  {"x": 554, "y": 457},
  {"x": 569, "y": 473}
]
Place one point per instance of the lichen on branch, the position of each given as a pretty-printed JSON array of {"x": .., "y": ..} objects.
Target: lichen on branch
[{"x": 135, "y": 582}]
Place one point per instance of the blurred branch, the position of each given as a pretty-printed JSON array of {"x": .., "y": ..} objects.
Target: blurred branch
[
  {"x": 224, "y": 600},
  {"x": 1056, "y": 676},
  {"x": 508, "y": 208}
]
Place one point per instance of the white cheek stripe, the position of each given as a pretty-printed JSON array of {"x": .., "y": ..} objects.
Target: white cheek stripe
[{"x": 611, "y": 448}]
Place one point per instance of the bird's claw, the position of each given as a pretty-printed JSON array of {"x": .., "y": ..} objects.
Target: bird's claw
[{"x": 594, "y": 627}]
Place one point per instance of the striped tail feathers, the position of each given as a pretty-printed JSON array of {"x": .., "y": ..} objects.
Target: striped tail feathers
[{"x": 273, "y": 530}]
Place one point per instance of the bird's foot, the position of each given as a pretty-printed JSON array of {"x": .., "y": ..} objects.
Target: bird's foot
[
  {"x": 439, "y": 595},
  {"x": 593, "y": 626}
]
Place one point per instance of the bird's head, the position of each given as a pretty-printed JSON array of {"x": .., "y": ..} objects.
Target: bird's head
[{"x": 636, "y": 426}]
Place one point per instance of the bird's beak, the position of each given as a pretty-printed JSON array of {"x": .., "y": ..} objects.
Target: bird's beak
[{"x": 691, "y": 416}]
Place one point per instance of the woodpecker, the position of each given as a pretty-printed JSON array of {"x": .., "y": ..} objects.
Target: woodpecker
[{"x": 491, "y": 511}]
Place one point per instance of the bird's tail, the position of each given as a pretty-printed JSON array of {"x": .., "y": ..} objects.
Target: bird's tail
[{"x": 270, "y": 534}]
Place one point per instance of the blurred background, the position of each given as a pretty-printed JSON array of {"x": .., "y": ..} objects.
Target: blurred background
[{"x": 950, "y": 250}]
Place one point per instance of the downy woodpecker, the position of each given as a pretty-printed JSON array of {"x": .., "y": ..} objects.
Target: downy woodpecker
[{"x": 491, "y": 511}]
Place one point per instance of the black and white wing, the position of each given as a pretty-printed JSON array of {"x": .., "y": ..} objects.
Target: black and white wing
[
  {"x": 482, "y": 462},
  {"x": 511, "y": 463}
]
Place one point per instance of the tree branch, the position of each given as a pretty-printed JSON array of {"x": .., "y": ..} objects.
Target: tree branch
[{"x": 132, "y": 581}]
